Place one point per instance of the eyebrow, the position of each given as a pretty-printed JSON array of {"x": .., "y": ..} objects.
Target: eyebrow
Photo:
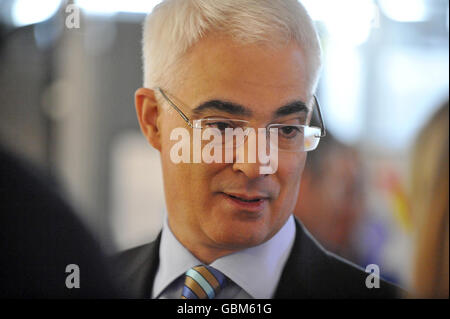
[
  {"x": 237, "y": 109},
  {"x": 223, "y": 106},
  {"x": 293, "y": 107}
]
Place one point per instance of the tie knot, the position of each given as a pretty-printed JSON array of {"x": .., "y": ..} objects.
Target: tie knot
[{"x": 202, "y": 282}]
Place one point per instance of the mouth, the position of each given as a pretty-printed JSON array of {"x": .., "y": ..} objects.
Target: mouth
[
  {"x": 251, "y": 203},
  {"x": 249, "y": 199}
]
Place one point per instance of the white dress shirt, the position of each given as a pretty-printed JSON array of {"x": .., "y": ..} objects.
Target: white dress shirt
[{"x": 253, "y": 272}]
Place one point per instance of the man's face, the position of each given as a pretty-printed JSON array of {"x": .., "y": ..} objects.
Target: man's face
[{"x": 201, "y": 209}]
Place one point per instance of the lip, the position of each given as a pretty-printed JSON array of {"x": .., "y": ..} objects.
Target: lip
[{"x": 255, "y": 206}]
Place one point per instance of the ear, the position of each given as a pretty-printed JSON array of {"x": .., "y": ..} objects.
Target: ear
[{"x": 148, "y": 112}]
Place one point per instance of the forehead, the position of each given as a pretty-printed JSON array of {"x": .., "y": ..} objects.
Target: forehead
[{"x": 256, "y": 76}]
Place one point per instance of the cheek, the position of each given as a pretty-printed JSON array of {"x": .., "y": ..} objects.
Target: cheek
[
  {"x": 192, "y": 181},
  {"x": 202, "y": 178},
  {"x": 291, "y": 168},
  {"x": 289, "y": 175}
]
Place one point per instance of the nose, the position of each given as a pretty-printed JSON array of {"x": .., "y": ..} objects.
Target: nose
[
  {"x": 250, "y": 164},
  {"x": 251, "y": 170}
]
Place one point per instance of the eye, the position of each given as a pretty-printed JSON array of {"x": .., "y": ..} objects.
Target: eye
[
  {"x": 289, "y": 131},
  {"x": 220, "y": 125}
]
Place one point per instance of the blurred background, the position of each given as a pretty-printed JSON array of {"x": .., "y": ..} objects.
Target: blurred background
[{"x": 67, "y": 105}]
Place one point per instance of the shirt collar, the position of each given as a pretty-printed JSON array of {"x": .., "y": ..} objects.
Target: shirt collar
[
  {"x": 174, "y": 260},
  {"x": 257, "y": 269}
]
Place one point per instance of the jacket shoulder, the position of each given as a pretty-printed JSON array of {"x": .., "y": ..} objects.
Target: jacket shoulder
[
  {"x": 130, "y": 258},
  {"x": 348, "y": 280},
  {"x": 313, "y": 272}
]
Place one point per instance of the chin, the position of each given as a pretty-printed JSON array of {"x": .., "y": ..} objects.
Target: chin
[{"x": 238, "y": 235}]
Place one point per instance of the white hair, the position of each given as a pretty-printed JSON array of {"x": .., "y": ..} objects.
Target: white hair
[{"x": 174, "y": 26}]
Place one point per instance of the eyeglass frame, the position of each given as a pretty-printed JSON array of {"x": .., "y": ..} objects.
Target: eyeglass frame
[{"x": 323, "y": 131}]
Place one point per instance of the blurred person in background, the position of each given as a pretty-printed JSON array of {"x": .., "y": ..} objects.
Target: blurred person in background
[
  {"x": 46, "y": 251},
  {"x": 331, "y": 199},
  {"x": 430, "y": 208}
]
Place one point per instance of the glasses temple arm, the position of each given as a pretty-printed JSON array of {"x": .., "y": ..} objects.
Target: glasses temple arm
[
  {"x": 185, "y": 118},
  {"x": 323, "y": 130}
]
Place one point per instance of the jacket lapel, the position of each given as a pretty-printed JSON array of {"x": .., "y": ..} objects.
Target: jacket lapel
[
  {"x": 138, "y": 267},
  {"x": 149, "y": 270},
  {"x": 301, "y": 274}
]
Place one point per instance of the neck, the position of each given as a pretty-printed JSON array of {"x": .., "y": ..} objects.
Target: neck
[{"x": 206, "y": 253}]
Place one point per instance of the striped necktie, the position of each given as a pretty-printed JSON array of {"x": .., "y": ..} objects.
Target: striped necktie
[{"x": 202, "y": 282}]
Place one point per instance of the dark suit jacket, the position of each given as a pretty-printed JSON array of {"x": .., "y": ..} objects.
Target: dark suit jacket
[{"x": 310, "y": 272}]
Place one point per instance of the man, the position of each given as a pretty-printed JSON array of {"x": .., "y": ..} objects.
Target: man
[{"x": 229, "y": 65}]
